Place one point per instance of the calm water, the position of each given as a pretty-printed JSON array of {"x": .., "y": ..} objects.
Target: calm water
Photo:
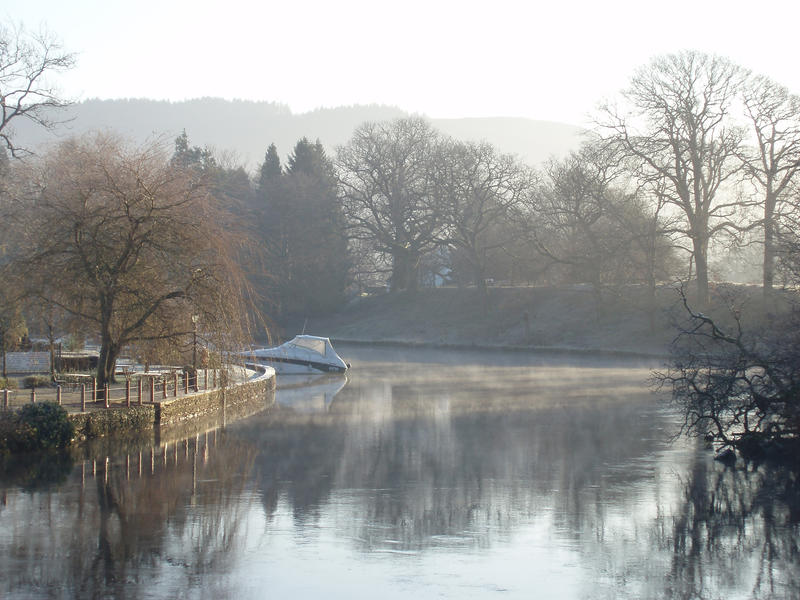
[{"x": 428, "y": 475}]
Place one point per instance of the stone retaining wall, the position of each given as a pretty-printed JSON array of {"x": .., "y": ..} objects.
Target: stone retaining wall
[
  {"x": 227, "y": 403},
  {"x": 182, "y": 416}
]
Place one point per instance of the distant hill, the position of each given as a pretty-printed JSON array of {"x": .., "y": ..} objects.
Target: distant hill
[{"x": 245, "y": 129}]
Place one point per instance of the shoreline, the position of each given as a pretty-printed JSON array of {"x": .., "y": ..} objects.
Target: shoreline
[{"x": 610, "y": 352}]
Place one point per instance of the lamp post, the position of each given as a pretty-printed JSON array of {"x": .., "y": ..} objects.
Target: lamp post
[{"x": 195, "y": 318}]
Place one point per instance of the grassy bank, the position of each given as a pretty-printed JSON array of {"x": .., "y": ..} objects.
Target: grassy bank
[{"x": 568, "y": 318}]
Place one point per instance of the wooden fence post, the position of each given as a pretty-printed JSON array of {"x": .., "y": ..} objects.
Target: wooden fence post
[
  {"x": 139, "y": 391},
  {"x": 83, "y": 397},
  {"x": 152, "y": 389},
  {"x": 186, "y": 383},
  {"x": 164, "y": 388},
  {"x": 58, "y": 395},
  {"x": 94, "y": 389},
  {"x": 33, "y": 395},
  {"x": 106, "y": 393},
  {"x": 175, "y": 384},
  {"x": 205, "y": 379},
  {"x": 128, "y": 392},
  {"x": 5, "y": 398}
]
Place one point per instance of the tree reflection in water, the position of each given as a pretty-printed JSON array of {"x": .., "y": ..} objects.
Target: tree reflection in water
[
  {"x": 170, "y": 514},
  {"x": 534, "y": 464},
  {"x": 735, "y": 529}
]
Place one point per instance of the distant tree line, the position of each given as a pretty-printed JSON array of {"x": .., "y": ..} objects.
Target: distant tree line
[{"x": 696, "y": 154}]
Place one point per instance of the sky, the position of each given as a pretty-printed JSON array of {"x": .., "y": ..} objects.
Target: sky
[{"x": 552, "y": 60}]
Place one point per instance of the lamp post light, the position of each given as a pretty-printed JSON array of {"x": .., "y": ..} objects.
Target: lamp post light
[{"x": 195, "y": 318}]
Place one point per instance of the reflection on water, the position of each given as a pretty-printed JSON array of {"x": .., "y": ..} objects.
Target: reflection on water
[
  {"x": 309, "y": 392},
  {"x": 427, "y": 474}
]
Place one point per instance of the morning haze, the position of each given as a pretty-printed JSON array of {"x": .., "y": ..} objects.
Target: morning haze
[
  {"x": 240, "y": 127},
  {"x": 454, "y": 301}
]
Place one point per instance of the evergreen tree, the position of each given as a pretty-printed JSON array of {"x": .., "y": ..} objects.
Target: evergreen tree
[
  {"x": 270, "y": 171},
  {"x": 304, "y": 230},
  {"x": 194, "y": 157}
]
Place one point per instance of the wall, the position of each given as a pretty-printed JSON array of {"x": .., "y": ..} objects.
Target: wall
[
  {"x": 181, "y": 416},
  {"x": 28, "y": 362}
]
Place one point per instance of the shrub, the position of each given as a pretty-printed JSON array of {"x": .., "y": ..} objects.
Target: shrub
[
  {"x": 36, "y": 381},
  {"x": 48, "y": 423},
  {"x": 8, "y": 384},
  {"x": 71, "y": 378},
  {"x": 73, "y": 343}
]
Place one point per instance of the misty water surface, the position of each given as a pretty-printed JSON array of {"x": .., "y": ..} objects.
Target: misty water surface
[{"x": 428, "y": 475}]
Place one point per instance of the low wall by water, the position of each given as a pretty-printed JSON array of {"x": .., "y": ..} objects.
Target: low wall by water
[{"x": 186, "y": 415}]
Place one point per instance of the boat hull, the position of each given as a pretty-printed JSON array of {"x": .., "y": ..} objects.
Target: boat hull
[
  {"x": 293, "y": 366},
  {"x": 302, "y": 355}
]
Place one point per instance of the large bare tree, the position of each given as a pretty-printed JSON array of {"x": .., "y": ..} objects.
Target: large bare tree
[
  {"x": 27, "y": 63},
  {"x": 478, "y": 192},
  {"x": 386, "y": 174},
  {"x": 774, "y": 162},
  {"x": 675, "y": 120},
  {"x": 129, "y": 244}
]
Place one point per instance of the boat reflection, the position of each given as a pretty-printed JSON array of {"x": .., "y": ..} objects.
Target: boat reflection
[{"x": 308, "y": 393}]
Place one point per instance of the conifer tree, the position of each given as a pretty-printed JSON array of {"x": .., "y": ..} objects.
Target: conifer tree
[
  {"x": 304, "y": 230},
  {"x": 270, "y": 170}
]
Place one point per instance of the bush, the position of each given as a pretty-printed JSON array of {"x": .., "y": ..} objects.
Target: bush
[
  {"x": 8, "y": 384},
  {"x": 47, "y": 424},
  {"x": 32, "y": 381}
]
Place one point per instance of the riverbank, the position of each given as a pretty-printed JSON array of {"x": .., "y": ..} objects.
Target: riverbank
[
  {"x": 170, "y": 412},
  {"x": 553, "y": 319}
]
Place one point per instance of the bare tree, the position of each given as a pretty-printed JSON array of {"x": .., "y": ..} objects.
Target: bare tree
[
  {"x": 739, "y": 389},
  {"x": 572, "y": 219},
  {"x": 27, "y": 61},
  {"x": 479, "y": 190},
  {"x": 130, "y": 245},
  {"x": 386, "y": 179},
  {"x": 676, "y": 123},
  {"x": 775, "y": 161},
  {"x": 12, "y": 322}
]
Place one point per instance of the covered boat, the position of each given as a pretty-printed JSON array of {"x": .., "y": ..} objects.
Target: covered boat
[{"x": 302, "y": 354}]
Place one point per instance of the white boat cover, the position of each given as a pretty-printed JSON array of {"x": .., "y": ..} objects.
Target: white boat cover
[{"x": 302, "y": 354}]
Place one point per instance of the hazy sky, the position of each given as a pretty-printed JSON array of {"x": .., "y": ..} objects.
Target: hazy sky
[{"x": 553, "y": 60}]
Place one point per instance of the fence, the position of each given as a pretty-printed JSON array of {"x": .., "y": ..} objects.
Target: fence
[{"x": 79, "y": 393}]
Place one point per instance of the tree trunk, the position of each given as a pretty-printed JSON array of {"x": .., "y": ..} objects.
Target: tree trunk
[
  {"x": 399, "y": 279},
  {"x": 106, "y": 363},
  {"x": 597, "y": 296},
  {"x": 52, "y": 341},
  {"x": 769, "y": 247},
  {"x": 700, "y": 245},
  {"x": 483, "y": 289},
  {"x": 405, "y": 270},
  {"x": 651, "y": 301},
  {"x": 3, "y": 350}
]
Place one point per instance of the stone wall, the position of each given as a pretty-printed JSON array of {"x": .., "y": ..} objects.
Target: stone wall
[
  {"x": 115, "y": 421},
  {"x": 181, "y": 416},
  {"x": 201, "y": 412}
]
